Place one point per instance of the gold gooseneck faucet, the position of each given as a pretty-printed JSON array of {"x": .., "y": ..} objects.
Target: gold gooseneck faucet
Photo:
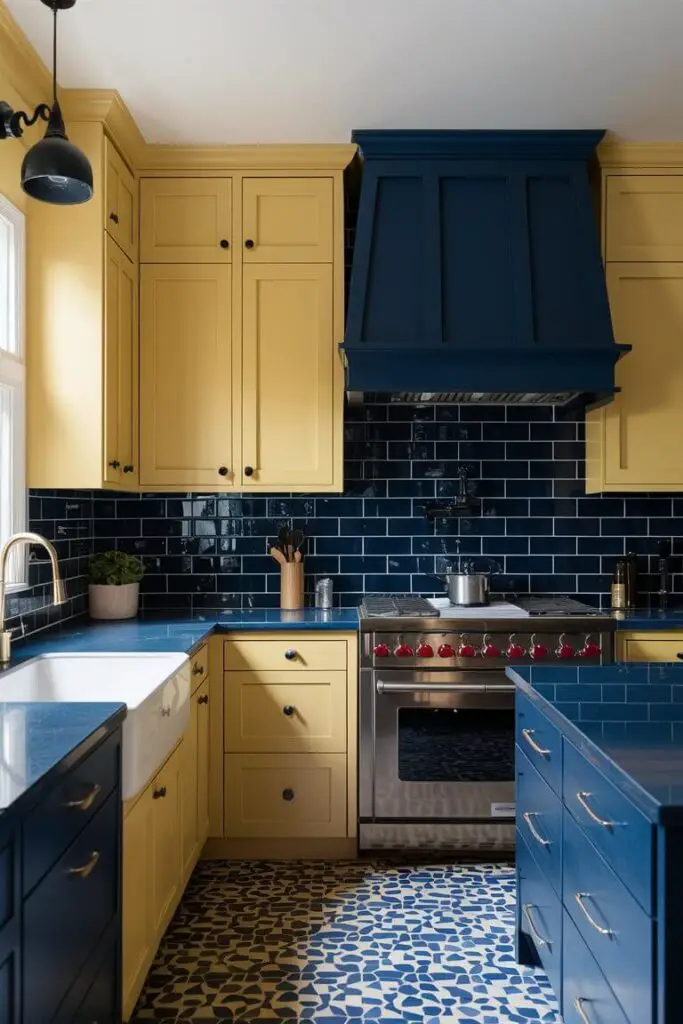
[{"x": 58, "y": 590}]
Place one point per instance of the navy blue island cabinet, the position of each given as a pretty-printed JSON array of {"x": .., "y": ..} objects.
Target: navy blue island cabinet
[
  {"x": 599, "y": 765},
  {"x": 60, "y": 857}
]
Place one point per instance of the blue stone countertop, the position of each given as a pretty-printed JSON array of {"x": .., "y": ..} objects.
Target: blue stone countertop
[
  {"x": 38, "y": 742},
  {"x": 650, "y": 618},
  {"x": 627, "y": 719},
  {"x": 175, "y": 634}
]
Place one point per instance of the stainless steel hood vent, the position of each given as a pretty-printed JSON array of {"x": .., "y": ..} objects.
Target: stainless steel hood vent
[
  {"x": 463, "y": 397},
  {"x": 476, "y": 271}
]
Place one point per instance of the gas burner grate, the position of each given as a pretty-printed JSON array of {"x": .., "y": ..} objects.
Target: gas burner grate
[{"x": 392, "y": 606}]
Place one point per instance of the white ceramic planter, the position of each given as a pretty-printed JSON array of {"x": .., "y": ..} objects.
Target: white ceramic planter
[{"x": 114, "y": 602}]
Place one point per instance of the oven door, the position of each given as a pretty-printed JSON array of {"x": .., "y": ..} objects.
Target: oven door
[{"x": 444, "y": 746}]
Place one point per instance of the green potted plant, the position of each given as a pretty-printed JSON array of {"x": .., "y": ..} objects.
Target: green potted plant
[{"x": 114, "y": 585}]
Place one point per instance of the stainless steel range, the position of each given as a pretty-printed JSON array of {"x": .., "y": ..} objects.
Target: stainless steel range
[{"x": 437, "y": 712}]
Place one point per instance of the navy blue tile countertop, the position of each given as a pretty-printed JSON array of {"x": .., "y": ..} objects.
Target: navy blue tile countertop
[
  {"x": 166, "y": 633},
  {"x": 627, "y": 719},
  {"x": 41, "y": 741},
  {"x": 650, "y": 618}
]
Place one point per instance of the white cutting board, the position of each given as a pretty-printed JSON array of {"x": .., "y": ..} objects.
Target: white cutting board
[{"x": 495, "y": 610}]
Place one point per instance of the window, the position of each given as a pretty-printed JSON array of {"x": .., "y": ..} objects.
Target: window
[{"x": 12, "y": 385}]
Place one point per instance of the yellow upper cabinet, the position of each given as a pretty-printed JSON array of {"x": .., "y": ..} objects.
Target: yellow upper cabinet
[
  {"x": 291, "y": 390},
  {"x": 186, "y": 377},
  {"x": 121, "y": 207},
  {"x": 120, "y": 369},
  {"x": 632, "y": 442},
  {"x": 644, "y": 218},
  {"x": 186, "y": 220},
  {"x": 287, "y": 220}
]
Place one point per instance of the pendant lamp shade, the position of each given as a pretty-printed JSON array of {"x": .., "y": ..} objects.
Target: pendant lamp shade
[{"x": 54, "y": 170}]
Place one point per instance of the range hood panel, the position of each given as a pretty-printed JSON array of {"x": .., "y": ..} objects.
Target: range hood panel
[{"x": 477, "y": 266}]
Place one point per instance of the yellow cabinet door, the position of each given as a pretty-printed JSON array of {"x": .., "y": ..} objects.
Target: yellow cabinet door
[
  {"x": 632, "y": 442},
  {"x": 185, "y": 376},
  {"x": 644, "y": 218},
  {"x": 121, "y": 210},
  {"x": 138, "y": 933},
  {"x": 202, "y": 701},
  {"x": 166, "y": 840},
  {"x": 189, "y": 824},
  {"x": 287, "y": 220},
  {"x": 289, "y": 385},
  {"x": 186, "y": 220},
  {"x": 650, "y": 648},
  {"x": 120, "y": 369}
]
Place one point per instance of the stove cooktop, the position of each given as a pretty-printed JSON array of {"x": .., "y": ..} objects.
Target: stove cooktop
[{"x": 399, "y": 606}]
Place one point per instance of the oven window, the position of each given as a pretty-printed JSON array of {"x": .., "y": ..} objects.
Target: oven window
[{"x": 448, "y": 745}]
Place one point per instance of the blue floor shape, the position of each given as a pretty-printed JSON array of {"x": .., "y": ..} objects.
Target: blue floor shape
[{"x": 345, "y": 943}]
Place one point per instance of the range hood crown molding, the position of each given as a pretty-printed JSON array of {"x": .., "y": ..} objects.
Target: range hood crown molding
[{"x": 477, "y": 267}]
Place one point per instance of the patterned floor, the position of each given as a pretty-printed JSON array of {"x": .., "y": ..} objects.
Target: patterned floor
[{"x": 345, "y": 943}]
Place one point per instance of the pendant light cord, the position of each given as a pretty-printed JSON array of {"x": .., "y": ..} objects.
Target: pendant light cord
[{"x": 54, "y": 53}]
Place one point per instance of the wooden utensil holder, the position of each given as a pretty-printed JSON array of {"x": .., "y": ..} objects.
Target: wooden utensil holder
[{"x": 292, "y": 585}]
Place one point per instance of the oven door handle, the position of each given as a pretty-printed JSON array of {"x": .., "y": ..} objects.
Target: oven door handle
[{"x": 383, "y": 687}]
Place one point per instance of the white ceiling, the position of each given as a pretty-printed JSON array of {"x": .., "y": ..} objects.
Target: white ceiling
[{"x": 223, "y": 71}]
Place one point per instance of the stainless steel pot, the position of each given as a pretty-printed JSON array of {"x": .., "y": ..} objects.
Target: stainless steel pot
[{"x": 467, "y": 589}]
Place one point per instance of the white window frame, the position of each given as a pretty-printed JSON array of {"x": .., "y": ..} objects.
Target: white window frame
[{"x": 13, "y": 375}]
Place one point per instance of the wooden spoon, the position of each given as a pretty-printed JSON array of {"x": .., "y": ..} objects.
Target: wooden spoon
[{"x": 278, "y": 556}]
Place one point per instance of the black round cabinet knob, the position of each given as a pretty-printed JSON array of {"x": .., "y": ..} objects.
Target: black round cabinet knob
[
  {"x": 248, "y": 470},
  {"x": 249, "y": 244},
  {"x": 288, "y": 794},
  {"x": 222, "y": 470},
  {"x": 288, "y": 710},
  {"x": 114, "y": 218},
  {"x": 225, "y": 244},
  {"x": 290, "y": 654}
]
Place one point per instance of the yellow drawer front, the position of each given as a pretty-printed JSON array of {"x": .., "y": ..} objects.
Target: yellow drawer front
[
  {"x": 651, "y": 650},
  {"x": 285, "y": 795},
  {"x": 272, "y": 655},
  {"x": 285, "y": 712}
]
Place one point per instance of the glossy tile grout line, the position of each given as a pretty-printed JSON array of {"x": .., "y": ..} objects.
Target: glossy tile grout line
[{"x": 345, "y": 943}]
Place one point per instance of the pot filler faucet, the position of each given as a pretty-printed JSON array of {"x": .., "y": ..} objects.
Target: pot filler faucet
[{"x": 58, "y": 590}]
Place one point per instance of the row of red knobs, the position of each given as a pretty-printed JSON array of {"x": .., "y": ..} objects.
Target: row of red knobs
[{"x": 489, "y": 650}]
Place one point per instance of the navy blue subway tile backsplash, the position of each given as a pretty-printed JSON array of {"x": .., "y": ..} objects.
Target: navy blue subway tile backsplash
[{"x": 533, "y": 518}]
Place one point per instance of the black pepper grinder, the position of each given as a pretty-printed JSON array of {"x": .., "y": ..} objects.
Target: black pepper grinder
[
  {"x": 664, "y": 547},
  {"x": 631, "y": 579}
]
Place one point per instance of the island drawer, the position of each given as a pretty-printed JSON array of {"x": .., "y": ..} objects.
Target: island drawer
[
  {"x": 199, "y": 667},
  {"x": 283, "y": 653},
  {"x": 68, "y": 808},
  {"x": 613, "y": 925},
  {"x": 584, "y": 989},
  {"x": 540, "y": 741},
  {"x": 540, "y": 912},
  {"x": 622, "y": 834},
  {"x": 69, "y": 910},
  {"x": 539, "y": 819},
  {"x": 285, "y": 712}
]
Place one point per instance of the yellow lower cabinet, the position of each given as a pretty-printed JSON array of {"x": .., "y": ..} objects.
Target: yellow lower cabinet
[
  {"x": 167, "y": 831},
  {"x": 285, "y": 795},
  {"x": 201, "y": 698},
  {"x": 188, "y": 785},
  {"x": 139, "y": 940},
  {"x": 652, "y": 646},
  {"x": 282, "y": 712}
]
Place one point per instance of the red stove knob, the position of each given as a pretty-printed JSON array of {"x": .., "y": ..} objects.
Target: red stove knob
[
  {"x": 381, "y": 650},
  {"x": 404, "y": 651},
  {"x": 446, "y": 651},
  {"x": 425, "y": 650},
  {"x": 466, "y": 651},
  {"x": 564, "y": 649},
  {"x": 514, "y": 648},
  {"x": 489, "y": 649},
  {"x": 538, "y": 650},
  {"x": 590, "y": 649}
]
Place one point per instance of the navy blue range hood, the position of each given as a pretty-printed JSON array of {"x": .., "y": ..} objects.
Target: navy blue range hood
[{"x": 476, "y": 271}]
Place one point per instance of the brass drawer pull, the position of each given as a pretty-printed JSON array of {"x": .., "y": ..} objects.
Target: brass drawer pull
[
  {"x": 86, "y": 869},
  {"x": 578, "y": 1006},
  {"x": 527, "y": 908},
  {"x": 86, "y": 803},
  {"x": 583, "y": 800},
  {"x": 528, "y": 815},
  {"x": 528, "y": 735},
  {"x": 580, "y": 897}
]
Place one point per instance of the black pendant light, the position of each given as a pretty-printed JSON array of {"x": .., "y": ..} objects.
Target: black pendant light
[{"x": 54, "y": 170}]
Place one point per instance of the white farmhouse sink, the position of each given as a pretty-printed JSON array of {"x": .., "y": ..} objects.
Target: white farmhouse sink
[{"x": 155, "y": 688}]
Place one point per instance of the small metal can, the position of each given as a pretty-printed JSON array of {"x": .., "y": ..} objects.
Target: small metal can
[{"x": 324, "y": 593}]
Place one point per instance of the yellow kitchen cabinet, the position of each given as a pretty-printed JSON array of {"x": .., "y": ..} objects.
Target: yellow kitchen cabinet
[
  {"x": 186, "y": 220},
  {"x": 288, "y": 220},
  {"x": 139, "y": 938},
  {"x": 285, "y": 796},
  {"x": 120, "y": 368},
  {"x": 649, "y": 646},
  {"x": 166, "y": 837},
  {"x": 291, "y": 379},
  {"x": 631, "y": 444},
  {"x": 644, "y": 218},
  {"x": 283, "y": 651},
  {"x": 201, "y": 698},
  {"x": 121, "y": 208},
  {"x": 81, "y": 316},
  {"x": 186, "y": 368},
  {"x": 188, "y": 793}
]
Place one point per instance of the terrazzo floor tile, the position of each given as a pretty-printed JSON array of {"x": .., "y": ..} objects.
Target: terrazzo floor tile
[{"x": 345, "y": 943}]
